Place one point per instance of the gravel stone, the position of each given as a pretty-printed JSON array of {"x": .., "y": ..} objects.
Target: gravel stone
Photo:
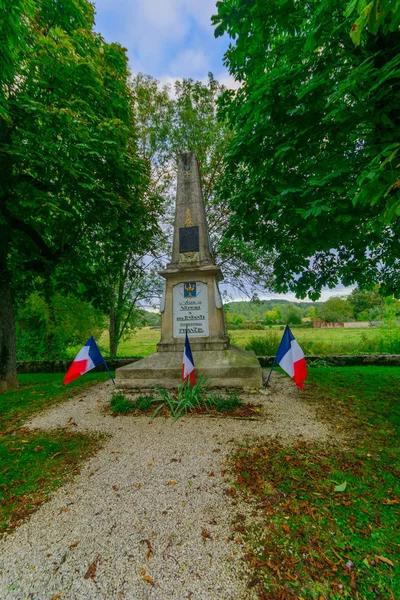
[{"x": 147, "y": 518}]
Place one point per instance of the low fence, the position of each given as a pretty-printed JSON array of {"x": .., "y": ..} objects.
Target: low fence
[{"x": 333, "y": 360}]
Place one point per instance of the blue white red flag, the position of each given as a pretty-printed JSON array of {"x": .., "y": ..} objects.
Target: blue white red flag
[
  {"x": 188, "y": 363},
  {"x": 87, "y": 359},
  {"x": 291, "y": 358}
]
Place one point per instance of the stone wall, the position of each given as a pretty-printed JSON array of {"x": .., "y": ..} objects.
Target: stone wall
[
  {"x": 62, "y": 366},
  {"x": 333, "y": 360},
  {"x": 343, "y": 360}
]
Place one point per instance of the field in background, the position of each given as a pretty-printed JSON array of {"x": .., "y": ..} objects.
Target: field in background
[{"x": 313, "y": 341}]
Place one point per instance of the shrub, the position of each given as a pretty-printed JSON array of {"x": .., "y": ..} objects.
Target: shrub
[
  {"x": 265, "y": 346},
  {"x": 226, "y": 404},
  {"x": 144, "y": 402},
  {"x": 120, "y": 405}
]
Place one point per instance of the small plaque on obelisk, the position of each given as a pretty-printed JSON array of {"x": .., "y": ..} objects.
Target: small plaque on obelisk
[{"x": 189, "y": 239}]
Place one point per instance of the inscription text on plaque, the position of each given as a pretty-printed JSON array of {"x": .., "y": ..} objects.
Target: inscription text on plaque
[{"x": 190, "y": 309}]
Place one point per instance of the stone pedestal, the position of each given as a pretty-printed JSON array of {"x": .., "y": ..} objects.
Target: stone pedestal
[{"x": 192, "y": 303}]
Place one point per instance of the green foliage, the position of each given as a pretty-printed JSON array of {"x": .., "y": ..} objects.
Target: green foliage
[
  {"x": 336, "y": 309},
  {"x": 73, "y": 194},
  {"x": 312, "y": 172},
  {"x": 265, "y": 346},
  {"x": 298, "y": 490},
  {"x": 119, "y": 404},
  {"x": 46, "y": 331},
  {"x": 189, "y": 120},
  {"x": 144, "y": 402},
  {"x": 290, "y": 314},
  {"x": 186, "y": 399},
  {"x": 225, "y": 403},
  {"x": 385, "y": 341},
  {"x": 182, "y": 401}
]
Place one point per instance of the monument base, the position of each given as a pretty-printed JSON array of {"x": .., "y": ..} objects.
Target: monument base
[{"x": 229, "y": 368}]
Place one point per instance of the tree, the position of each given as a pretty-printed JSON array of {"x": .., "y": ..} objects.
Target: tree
[
  {"x": 73, "y": 190},
  {"x": 312, "y": 171},
  {"x": 367, "y": 303},
  {"x": 336, "y": 310},
  {"x": 137, "y": 281},
  {"x": 187, "y": 119},
  {"x": 273, "y": 316},
  {"x": 290, "y": 314}
]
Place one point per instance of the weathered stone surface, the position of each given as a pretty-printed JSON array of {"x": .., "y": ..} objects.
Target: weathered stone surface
[
  {"x": 192, "y": 304},
  {"x": 229, "y": 368}
]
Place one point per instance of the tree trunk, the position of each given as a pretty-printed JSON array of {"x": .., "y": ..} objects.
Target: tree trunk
[
  {"x": 8, "y": 361},
  {"x": 113, "y": 329}
]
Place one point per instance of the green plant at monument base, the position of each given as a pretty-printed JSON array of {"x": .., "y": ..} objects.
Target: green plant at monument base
[
  {"x": 327, "y": 515},
  {"x": 225, "y": 404},
  {"x": 121, "y": 405},
  {"x": 177, "y": 402},
  {"x": 35, "y": 463},
  {"x": 185, "y": 399}
]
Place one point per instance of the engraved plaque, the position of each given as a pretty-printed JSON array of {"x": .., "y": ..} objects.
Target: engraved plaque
[
  {"x": 190, "y": 310},
  {"x": 188, "y": 239}
]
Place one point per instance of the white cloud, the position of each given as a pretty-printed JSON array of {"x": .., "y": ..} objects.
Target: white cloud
[
  {"x": 191, "y": 60},
  {"x": 228, "y": 81},
  {"x": 170, "y": 36}
]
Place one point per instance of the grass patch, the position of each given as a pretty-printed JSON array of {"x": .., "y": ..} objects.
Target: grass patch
[
  {"x": 384, "y": 340},
  {"x": 379, "y": 340},
  {"x": 34, "y": 463},
  {"x": 329, "y": 517}
]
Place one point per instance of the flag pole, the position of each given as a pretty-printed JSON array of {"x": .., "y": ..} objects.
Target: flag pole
[
  {"x": 105, "y": 364},
  {"x": 108, "y": 371},
  {"x": 270, "y": 373}
]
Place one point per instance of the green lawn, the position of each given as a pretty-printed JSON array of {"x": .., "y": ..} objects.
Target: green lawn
[
  {"x": 35, "y": 462},
  {"x": 313, "y": 341},
  {"x": 328, "y": 517}
]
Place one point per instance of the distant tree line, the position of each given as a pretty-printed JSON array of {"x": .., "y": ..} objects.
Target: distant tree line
[{"x": 360, "y": 305}]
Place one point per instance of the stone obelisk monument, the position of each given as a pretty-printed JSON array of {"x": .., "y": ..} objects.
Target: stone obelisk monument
[{"x": 192, "y": 302}]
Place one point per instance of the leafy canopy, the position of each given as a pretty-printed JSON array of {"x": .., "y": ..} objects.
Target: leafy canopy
[{"x": 312, "y": 172}]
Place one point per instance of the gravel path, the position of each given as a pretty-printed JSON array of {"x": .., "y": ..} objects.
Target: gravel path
[{"x": 147, "y": 518}]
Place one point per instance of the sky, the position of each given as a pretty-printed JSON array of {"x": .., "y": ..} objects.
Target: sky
[{"x": 169, "y": 40}]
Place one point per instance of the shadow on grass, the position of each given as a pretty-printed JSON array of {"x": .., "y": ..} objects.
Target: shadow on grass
[{"x": 35, "y": 463}]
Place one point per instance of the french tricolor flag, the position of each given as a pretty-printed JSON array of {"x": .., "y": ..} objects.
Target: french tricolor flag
[
  {"x": 87, "y": 359},
  {"x": 188, "y": 363},
  {"x": 291, "y": 358}
]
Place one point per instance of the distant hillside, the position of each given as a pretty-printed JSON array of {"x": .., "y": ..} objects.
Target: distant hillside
[{"x": 255, "y": 311}]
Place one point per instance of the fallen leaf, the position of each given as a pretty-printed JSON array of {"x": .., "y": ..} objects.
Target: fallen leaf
[
  {"x": 171, "y": 482},
  {"x": 74, "y": 545},
  {"x": 150, "y": 551},
  {"x": 384, "y": 560},
  {"x": 205, "y": 535},
  {"x": 64, "y": 509},
  {"x": 91, "y": 572},
  {"x": 149, "y": 464},
  {"x": 148, "y": 579},
  {"x": 56, "y": 597},
  {"x": 114, "y": 487},
  {"x": 341, "y": 487},
  {"x": 137, "y": 486}
]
